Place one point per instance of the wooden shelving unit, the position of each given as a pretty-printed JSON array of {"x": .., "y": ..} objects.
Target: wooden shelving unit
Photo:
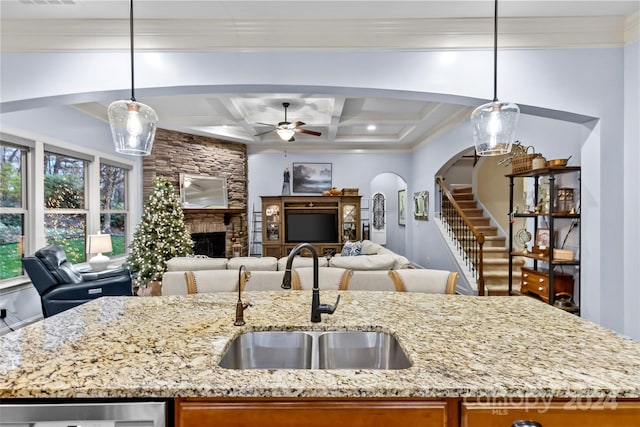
[{"x": 545, "y": 264}]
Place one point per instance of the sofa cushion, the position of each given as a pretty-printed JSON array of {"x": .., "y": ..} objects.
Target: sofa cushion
[
  {"x": 365, "y": 262},
  {"x": 399, "y": 262},
  {"x": 373, "y": 280},
  {"x": 328, "y": 278},
  {"x": 301, "y": 261},
  {"x": 369, "y": 247},
  {"x": 266, "y": 263},
  {"x": 268, "y": 281},
  {"x": 351, "y": 248},
  {"x": 199, "y": 281},
  {"x": 196, "y": 263}
]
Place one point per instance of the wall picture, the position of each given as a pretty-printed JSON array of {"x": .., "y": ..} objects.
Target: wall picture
[
  {"x": 402, "y": 207},
  {"x": 311, "y": 177},
  {"x": 421, "y": 205}
]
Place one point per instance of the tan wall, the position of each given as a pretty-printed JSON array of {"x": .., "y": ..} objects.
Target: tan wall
[
  {"x": 176, "y": 152},
  {"x": 492, "y": 190}
]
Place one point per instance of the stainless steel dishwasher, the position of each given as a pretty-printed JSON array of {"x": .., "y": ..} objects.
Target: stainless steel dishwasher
[{"x": 90, "y": 414}]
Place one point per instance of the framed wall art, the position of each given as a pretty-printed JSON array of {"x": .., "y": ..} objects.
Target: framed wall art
[
  {"x": 421, "y": 205},
  {"x": 311, "y": 177},
  {"x": 402, "y": 207}
]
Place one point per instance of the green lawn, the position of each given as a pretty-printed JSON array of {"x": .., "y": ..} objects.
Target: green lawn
[{"x": 11, "y": 266}]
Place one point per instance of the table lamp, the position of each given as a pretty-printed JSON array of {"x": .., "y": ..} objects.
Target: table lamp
[{"x": 99, "y": 243}]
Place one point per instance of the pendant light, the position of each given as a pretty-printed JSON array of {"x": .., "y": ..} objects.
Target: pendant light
[
  {"x": 133, "y": 124},
  {"x": 494, "y": 123}
]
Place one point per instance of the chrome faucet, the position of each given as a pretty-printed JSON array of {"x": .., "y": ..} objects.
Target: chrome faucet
[
  {"x": 240, "y": 307},
  {"x": 316, "y": 308}
]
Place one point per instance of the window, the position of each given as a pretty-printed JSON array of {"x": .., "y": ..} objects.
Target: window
[
  {"x": 65, "y": 216},
  {"x": 12, "y": 210},
  {"x": 113, "y": 208}
]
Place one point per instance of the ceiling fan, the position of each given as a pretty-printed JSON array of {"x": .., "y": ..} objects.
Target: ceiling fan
[{"x": 286, "y": 130}]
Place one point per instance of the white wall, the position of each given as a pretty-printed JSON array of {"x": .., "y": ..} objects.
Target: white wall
[
  {"x": 589, "y": 82},
  {"x": 389, "y": 184},
  {"x": 631, "y": 189}
]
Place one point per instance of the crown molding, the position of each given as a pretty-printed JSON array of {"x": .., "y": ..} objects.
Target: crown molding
[{"x": 280, "y": 34}]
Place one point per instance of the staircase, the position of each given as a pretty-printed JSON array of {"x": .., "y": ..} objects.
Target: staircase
[{"x": 495, "y": 250}]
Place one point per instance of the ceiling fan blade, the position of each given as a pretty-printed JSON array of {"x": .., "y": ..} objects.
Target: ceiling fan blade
[
  {"x": 310, "y": 132},
  {"x": 266, "y": 124},
  {"x": 264, "y": 133},
  {"x": 295, "y": 124}
]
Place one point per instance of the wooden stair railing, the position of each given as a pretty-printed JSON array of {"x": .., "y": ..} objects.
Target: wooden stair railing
[{"x": 467, "y": 239}]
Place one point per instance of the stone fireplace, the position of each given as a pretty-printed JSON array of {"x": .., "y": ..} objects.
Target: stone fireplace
[{"x": 176, "y": 152}]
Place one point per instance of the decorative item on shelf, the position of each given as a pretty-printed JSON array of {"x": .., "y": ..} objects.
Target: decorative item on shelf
[
  {"x": 350, "y": 191},
  {"x": 99, "y": 244},
  {"x": 564, "y": 200},
  {"x": 335, "y": 192},
  {"x": 529, "y": 196},
  {"x": 524, "y": 162},
  {"x": 326, "y": 193},
  {"x": 558, "y": 163},
  {"x": 538, "y": 163},
  {"x": 562, "y": 255},
  {"x": 523, "y": 237}
]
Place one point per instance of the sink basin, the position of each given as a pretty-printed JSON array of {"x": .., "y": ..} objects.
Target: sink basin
[
  {"x": 361, "y": 350},
  {"x": 269, "y": 350},
  {"x": 315, "y": 350}
]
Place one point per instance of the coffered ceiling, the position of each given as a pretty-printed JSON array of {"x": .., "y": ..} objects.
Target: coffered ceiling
[{"x": 345, "y": 122}]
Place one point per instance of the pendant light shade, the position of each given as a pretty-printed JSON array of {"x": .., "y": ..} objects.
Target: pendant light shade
[
  {"x": 133, "y": 127},
  {"x": 494, "y": 123},
  {"x": 133, "y": 124}
]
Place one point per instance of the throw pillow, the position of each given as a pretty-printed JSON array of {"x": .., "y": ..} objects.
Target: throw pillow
[{"x": 351, "y": 248}]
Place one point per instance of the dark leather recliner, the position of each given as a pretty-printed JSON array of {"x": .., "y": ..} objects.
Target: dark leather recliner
[{"x": 62, "y": 286}]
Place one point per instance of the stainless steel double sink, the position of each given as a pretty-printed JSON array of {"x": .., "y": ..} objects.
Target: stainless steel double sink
[{"x": 315, "y": 350}]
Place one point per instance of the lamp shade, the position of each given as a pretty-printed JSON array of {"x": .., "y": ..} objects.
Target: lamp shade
[
  {"x": 133, "y": 127},
  {"x": 99, "y": 243},
  {"x": 494, "y": 126}
]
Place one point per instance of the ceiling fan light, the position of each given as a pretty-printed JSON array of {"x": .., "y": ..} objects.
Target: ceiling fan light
[
  {"x": 133, "y": 127},
  {"x": 494, "y": 126},
  {"x": 285, "y": 134}
]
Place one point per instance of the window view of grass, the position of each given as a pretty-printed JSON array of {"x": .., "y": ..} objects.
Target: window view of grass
[{"x": 10, "y": 256}]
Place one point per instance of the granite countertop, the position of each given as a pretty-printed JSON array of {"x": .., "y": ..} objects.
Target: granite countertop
[{"x": 460, "y": 346}]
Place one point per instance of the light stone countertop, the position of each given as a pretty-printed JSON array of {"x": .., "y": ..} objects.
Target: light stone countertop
[{"x": 460, "y": 346}]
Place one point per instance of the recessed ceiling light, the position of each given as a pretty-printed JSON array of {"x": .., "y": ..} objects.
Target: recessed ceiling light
[{"x": 371, "y": 127}]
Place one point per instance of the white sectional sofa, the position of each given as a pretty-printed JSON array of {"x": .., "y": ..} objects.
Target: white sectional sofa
[{"x": 367, "y": 271}]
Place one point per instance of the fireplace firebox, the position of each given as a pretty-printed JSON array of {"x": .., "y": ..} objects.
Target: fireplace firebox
[{"x": 212, "y": 245}]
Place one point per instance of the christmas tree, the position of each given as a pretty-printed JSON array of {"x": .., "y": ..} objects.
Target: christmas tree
[{"x": 161, "y": 234}]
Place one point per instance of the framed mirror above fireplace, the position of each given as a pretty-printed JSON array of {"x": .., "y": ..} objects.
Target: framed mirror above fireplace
[{"x": 203, "y": 192}]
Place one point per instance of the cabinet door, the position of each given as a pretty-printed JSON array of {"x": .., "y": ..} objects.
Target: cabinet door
[
  {"x": 350, "y": 220},
  {"x": 581, "y": 411},
  {"x": 311, "y": 413}
]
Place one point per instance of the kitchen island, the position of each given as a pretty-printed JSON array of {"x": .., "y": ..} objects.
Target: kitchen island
[{"x": 471, "y": 357}]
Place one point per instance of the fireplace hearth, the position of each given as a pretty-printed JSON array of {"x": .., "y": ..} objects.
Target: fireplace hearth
[{"x": 212, "y": 245}]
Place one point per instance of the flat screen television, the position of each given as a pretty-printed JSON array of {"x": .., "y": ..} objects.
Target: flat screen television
[{"x": 311, "y": 227}]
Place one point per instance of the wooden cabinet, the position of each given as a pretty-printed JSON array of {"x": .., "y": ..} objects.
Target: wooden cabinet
[
  {"x": 579, "y": 411},
  {"x": 318, "y": 412},
  {"x": 537, "y": 282},
  {"x": 555, "y": 193},
  {"x": 324, "y": 221},
  {"x": 406, "y": 412}
]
